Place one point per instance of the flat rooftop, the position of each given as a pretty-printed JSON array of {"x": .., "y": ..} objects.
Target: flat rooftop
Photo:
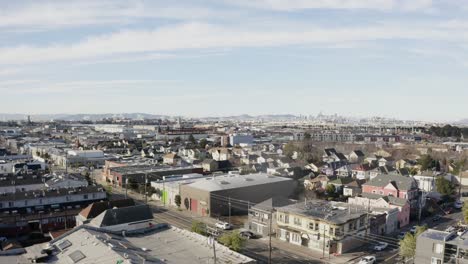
[
  {"x": 230, "y": 181},
  {"x": 332, "y": 212},
  {"x": 176, "y": 245},
  {"x": 149, "y": 168}
]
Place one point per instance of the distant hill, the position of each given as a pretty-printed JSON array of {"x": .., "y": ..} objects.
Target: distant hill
[
  {"x": 79, "y": 117},
  {"x": 463, "y": 122},
  {"x": 135, "y": 116},
  {"x": 252, "y": 117}
]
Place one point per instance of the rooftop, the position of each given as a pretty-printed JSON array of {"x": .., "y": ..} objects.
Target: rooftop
[
  {"x": 332, "y": 212},
  {"x": 148, "y": 168},
  {"x": 162, "y": 244},
  {"x": 229, "y": 181},
  {"x": 52, "y": 192}
]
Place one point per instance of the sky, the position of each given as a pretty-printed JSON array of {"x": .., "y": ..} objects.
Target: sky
[{"x": 406, "y": 59}]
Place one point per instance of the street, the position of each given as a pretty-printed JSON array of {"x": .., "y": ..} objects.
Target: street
[{"x": 283, "y": 252}]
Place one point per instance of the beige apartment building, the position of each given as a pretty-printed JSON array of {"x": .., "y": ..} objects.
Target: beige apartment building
[{"x": 329, "y": 227}]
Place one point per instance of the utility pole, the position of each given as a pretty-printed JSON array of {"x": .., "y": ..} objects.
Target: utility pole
[
  {"x": 146, "y": 182},
  {"x": 229, "y": 203},
  {"x": 367, "y": 217},
  {"x": 419, "y": 207},
  {"x": 212, "y": 241},
  {"x": 126, "y": 187},
  {"x": 323, "y": 251},
  {"x": 164, "y": 195},
  {"x": 66, "y": 225},
  {"x": 269, "y": 234}
]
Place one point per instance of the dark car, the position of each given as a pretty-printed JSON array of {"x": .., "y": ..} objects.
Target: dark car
[
  {"x": 247, "y": 234},
  {"x": 436, "y": 218}
]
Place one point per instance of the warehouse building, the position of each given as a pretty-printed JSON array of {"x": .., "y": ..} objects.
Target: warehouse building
[{"x": 224, "y": 194}]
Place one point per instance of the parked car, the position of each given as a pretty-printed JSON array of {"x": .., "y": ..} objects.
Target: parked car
[
  {"x": 3, "y": 239},
  {"x": 448, "y": 210},
  {"x": 380, "y": 246},
  {"x": 450, "y": 229},
  {"x": 401, "y": 235},
  {"x": 368, "y": 260},
  {"x": 413, "y": 230},
  {"x": 247, "y": 234},
  {"x": 436, "y": 218},
  {"x": 223, "y": 225},
  {"x": 458, "y": 204}
]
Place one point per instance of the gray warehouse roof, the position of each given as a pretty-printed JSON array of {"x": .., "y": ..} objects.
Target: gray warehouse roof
[{"x": 227, "y": 181}]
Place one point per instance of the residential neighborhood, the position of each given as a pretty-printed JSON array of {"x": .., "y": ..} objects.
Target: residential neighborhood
[
  {"x": 307, "y": 197},
  {"x": 234, "y": 131}
]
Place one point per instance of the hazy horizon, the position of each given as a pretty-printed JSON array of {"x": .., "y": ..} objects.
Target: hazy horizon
[{"x": 391, "y": 58}]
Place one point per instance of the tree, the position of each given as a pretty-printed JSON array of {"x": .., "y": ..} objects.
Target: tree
[
  {"x": 178, "y": 200},
  {"x": 408, "y": 244},
  {"x": 192, "y": 139},
  {"x": 202, "y": 143},
  {"x": 444, "y": 186},
  {"x": 307, "y": 136},
  {"x": 289, "y": 149},
  {"x": 186, "y": 203},
  {"x": 426, "y": 162},
  {"x": 233, "y": 240},
  {"x": 330, "y": 189},
  {"x": 198, "y": 227},
  {"x": 465, "y": 212},
  {"x": 133, "y": 184}
]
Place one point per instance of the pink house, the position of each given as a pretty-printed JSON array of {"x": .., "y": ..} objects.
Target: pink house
[
  {"x": 394, "y": 185},
  {"x": 375, "y": 200}
]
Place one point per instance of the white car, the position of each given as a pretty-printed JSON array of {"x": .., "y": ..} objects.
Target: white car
[
  {"x": 380, "y": 246},
  {"x": 413, "y": 230},
  {"x": 223, "y": 225},
  {"x": 458, "y": 204},
  {"x": 367, "y": 260}
]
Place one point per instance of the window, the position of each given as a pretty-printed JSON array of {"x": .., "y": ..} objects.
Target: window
[
  {"x": 297, "y": 221},
  {"x": 436, "y": 261},
  {"x": 11, "y": 204},
  {"x": 311, "y": 225},
  {"x": 85, "y": 196},
  {"x": 316, "y": 226},
  {"x": 280, "y": 217},
  {"x": 437, "y": 248},
  {"x": 295, "y": 238},
  {"x": 26, "y": 202}
]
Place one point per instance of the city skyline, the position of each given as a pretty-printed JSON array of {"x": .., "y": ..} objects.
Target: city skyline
[{"x": 389, "y": 58}]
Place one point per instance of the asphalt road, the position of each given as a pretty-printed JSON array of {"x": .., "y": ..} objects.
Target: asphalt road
[{"x": 259, "y": 250}]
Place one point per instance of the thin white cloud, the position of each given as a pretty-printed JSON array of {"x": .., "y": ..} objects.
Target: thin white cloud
[
  {"x": 293, "y": 5},
  {"x": 9, "y": 71},
  {"x": 84, "y": 86},
  {"x": 32, "y": 16},
  {"x": 199, "y": 36}
]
